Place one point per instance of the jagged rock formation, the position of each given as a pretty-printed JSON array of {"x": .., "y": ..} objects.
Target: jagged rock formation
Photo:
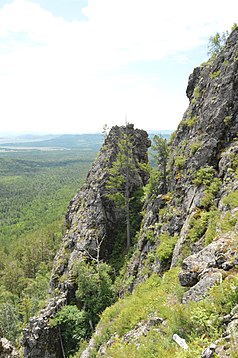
[
  {"x": 92, "y": 218},
  {"x": 91, "y": 215},
  {"x": 41, "y": 340},
  {"x": 199, "y": 214},
  {"x": 195, "y": 224},
  {"x": 205, "y": 138}
]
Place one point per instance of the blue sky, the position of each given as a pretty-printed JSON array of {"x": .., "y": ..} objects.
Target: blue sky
[{"x": 70, "y": 66}]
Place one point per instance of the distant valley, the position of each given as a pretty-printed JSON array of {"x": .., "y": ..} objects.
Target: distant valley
[{"x": 59, "y": 142}]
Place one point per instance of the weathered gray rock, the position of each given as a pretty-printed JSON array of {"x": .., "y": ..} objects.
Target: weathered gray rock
[
  {"x": 41, "y": 340},
  {"x": 206, "y": 137},
  {"x": 180, "y": 341},
  {"x": 7, "y": 350},
  {"x": 200, "y": 290},
  {"x": 215, "y": 255},
  {"x": 209, "y": 352},
  {"x": 209, "y": 125},
  {"x": 142, "y": 329},
  {"x": 204, "y": 269},
  {"x": 91, "y": 215},
  {"x": 193, "y": 81}
]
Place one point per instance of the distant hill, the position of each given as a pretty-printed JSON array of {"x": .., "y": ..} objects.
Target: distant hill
[
  {"x": 67, "y": 141},
  {"x": 63, "y": 141},
  {"x": 165, "y": 133}
]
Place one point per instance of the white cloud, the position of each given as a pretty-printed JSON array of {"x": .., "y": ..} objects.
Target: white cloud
[{"x": 63, "y": 76}]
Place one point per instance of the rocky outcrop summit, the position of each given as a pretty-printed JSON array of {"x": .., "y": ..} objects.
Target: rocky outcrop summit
[{"x": 91, "y": 218}]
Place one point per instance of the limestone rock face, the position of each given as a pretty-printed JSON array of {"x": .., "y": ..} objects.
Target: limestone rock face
[{"x": 91, "y": 218}]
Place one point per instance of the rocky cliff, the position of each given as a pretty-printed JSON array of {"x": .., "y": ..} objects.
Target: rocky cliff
[
  {"x": 202, "y": 160},
  {"x": 92, "y": 218},
  {"x": 194, "y": 226},
  {"x": 187, "y": 244}
]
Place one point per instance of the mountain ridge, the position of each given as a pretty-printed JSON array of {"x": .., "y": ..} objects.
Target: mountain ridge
[{"x": 180, "y": 277}]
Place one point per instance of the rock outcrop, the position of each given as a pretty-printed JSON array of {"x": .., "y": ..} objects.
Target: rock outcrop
[
  {"x": 203, "y": 150},
  {"x": 41, "y": 340},
  {"x": 198, "y": 216},
  {"x": 92, "y": 218},
  {"x": 194, "y": 224},
  {"x": 7, "y": 350}
]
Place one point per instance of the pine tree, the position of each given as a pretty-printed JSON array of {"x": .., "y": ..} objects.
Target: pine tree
[
  {"x": 216, "y": 43},
  {"x": 120, "y": 177},
  {"x": 160, "y": 148}
]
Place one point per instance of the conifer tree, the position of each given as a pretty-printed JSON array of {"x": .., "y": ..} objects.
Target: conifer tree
[
  {"x": 160, "y": 149},
  {"x": 218, "y": 41},
  {"x": 120, "y": 177}
]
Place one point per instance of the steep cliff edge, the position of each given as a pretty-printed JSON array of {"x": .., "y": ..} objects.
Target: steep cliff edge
[
  {"x": 202, "y": 162},
  {"x": 192, "y": 231},
  {"x": 92, "y": 218},
  {"x": 181, "y": 283}
]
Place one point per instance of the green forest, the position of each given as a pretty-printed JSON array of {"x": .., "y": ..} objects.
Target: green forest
[
  {"x": 38, "y": 178},
  {"x": 36, "y": 187}
]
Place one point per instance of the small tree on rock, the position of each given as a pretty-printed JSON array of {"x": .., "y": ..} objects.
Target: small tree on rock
[
  {"x": 121, "y": 175},
  {"x": 216, "y": 43},
  {"x": 160, "y": 153}
]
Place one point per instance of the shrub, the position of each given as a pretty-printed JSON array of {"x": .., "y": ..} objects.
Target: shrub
[
  {"x": 190, "y": 121},
  {"x": 73, "y": 325},
  {"x": 196, "y": 92},
  {"x": 172, "y": 136},
  {"x": 165, "y": 249},
  {"x": 195, "y": 146},
  {"x": 150, "y": 236},
  {"x": 95, "y": 290},
  {"x": 198, "y": 225},
  {"x": 211, "y": 228},
  {"x": 228, "y": 222},
  {"x": 180, "y": 161},
  {"x": 231, "y": 199},
  {"x": 204, "y": 176},
  {"x": 215, "y": 74},
  {"x": 153, "y": 185},
  {"x": 227, "y": 120}
]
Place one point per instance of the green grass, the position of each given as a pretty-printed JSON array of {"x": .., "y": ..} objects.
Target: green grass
[
  {"x": 199, "y": 323},
  {"x": 231, "y": 199}
]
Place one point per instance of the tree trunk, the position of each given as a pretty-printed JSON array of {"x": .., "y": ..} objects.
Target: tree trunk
[
  {"x": 127, "y": 199},
  {"x": 164, "y": 178}
]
